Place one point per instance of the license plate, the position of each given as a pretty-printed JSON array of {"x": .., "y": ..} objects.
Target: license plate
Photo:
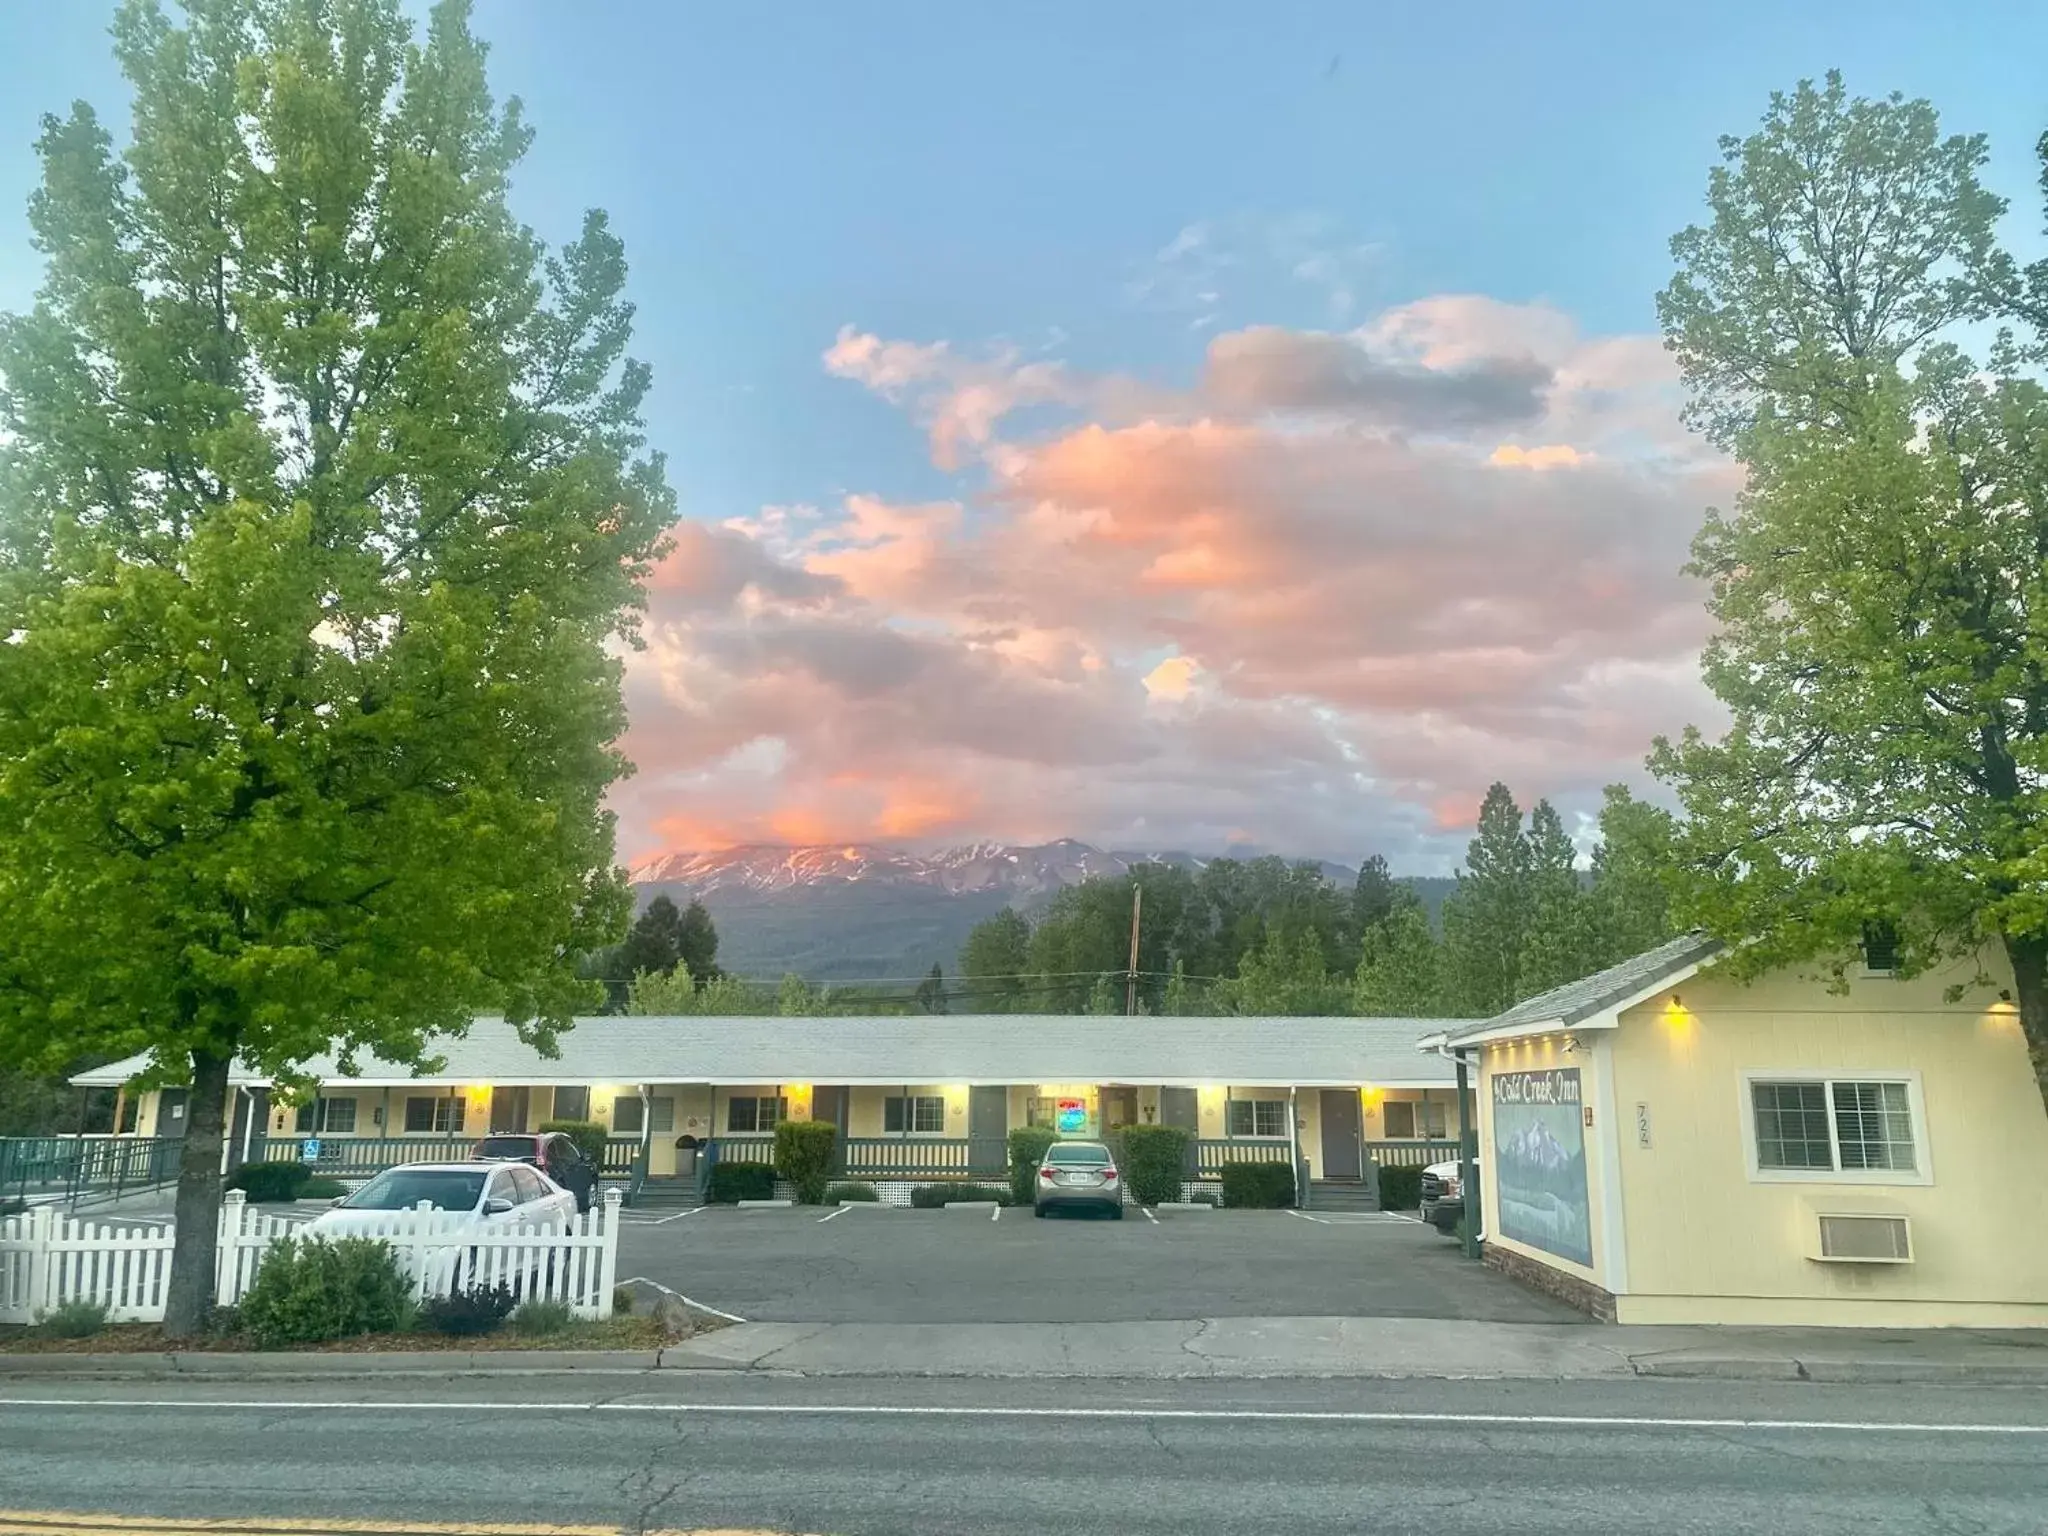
[{"x": 1077, "y": 1178}]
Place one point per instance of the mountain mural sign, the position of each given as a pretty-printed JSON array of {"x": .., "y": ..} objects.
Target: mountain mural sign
[{"x": 1539, "y": 1162}]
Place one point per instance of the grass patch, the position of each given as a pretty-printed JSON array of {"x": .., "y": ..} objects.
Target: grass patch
[
  {"x": 74, "y": 1320},
  {"x": 635, "y": 1332}
]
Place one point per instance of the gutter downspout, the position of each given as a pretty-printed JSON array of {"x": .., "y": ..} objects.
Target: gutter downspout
[{"x": 1294, "y": 1153}]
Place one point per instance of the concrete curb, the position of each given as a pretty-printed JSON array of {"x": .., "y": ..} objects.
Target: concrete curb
[
  {"x": 292, "y": 1366},
  {"x": 764, "y": 1205}
]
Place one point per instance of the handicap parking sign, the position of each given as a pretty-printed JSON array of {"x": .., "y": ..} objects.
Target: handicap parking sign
[{"x": 309, "y": 1150}]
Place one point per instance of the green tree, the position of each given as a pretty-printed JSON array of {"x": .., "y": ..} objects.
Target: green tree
[
  {"x": 993, "y": 962},
  {"x": 1561, "y": 943},
  {"x": 653, "y": 944},
  {"x": 1377, "y": 895},
  {"x": 798, "y": 999},
  {"x": 1882, "y": 618},
  {"x": 1285, "y": 976},
  {"x": 1634, "y": 867},
  {"x": 321, "y": 513},
  {"x": 1106, "y": 995},
  {"x": 930, "y": 995},
  {"x": 1182, "y": 998},
  {"x": 678, "y": 992},
  {"x": 1400, "y": 969},
  {"x": 1487, "y": 918},
  {"x": 697, "y": 941}
]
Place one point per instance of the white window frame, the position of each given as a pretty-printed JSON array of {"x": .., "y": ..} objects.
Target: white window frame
[
  {"x": 911, "y": 1101},
  {"x": 1255, "y": 1134},
  {"x": 1923, "y": 1153}
]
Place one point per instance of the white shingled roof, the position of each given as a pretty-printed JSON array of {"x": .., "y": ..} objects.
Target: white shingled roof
[{"x": 943, "y": 1048}]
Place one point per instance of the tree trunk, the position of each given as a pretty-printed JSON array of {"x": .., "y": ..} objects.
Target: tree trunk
[
  {"x": 2029, "y": 956},
  {"x": 190, "y": 1295}
]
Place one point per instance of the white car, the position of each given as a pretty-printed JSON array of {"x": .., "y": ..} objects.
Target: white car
[{"x": 481, "y": 1199}]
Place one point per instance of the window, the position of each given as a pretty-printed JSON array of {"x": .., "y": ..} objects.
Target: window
[
  {"x": 662, "y": 1114},
  {"x": 1398, "y": 1116},
  {"x": 1828, "y": 1126},
  {"x": 327, "y": 1117},
  {"x": 572, "y": 1103},
  {"x": 755, "y": 1114},
  {"x": 1260, "y": 1117},
  {"x": 626, "y": 1120},
  {"x": 1880, "y": 948},
  {"x": 528, "y": 1185},
  {"x": 503, "y": 1188},
  {"x": 926, "y": 1114},
  {"x": 1437, "y": 1115},
  {"x": 439, "y": 1115}
]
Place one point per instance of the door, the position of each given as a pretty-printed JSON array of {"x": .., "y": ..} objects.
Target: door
[
  {"x": 1119, "y": 1108},
  {"x": 828, "y": 1104},
  {"x": 1341, "y": 1141},
  {"x": 1177, "y": 1106},
  {"x": 508, "y": 1111},
  {"x": 170, "y": 1112},
  {"x": 988, "y": 1128}
]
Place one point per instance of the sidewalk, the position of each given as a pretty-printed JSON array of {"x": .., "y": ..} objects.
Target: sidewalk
[{"x": 1212, "y": 1348}]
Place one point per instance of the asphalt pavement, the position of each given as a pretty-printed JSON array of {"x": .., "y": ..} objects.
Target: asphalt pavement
[
  {"x": 871, "y": 1264},
  {"x": 891, "y": 1456}
]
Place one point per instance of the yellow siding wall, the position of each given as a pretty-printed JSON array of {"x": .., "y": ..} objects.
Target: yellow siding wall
[
  {"x": 1707, "y": 1243},
  {"x": 1537, "y": 1056}
]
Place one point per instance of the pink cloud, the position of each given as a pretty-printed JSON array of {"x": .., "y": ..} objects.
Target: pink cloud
[{"x": 1320, "y": 598}]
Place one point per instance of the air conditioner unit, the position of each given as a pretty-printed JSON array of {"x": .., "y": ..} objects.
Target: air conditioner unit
[{"x": 1861, "y": 1237}]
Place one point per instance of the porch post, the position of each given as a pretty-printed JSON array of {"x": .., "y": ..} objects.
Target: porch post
[
  {"x": 1294, "y": 1153},
  {"x": 1468, "y": 1157},
  {"x": 120, "y": 1106}
]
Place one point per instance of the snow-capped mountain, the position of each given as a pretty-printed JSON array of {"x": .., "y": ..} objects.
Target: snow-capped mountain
[{"x": 1011, "y": 869}]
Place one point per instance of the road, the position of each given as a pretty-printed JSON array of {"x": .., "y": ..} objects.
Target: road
[{"x": 893, "y": 1455}]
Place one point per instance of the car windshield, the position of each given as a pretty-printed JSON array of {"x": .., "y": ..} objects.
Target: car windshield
[
  {"x": 505, "y": 1146},
  {"x": 1078, "y": 1152},
  {"x": 400, "y": 1189}
]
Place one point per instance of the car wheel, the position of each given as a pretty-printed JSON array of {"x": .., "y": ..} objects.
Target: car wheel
[
  {"x": 1116, "y": 1213},
  {"x": 1038, "y": 1211}
]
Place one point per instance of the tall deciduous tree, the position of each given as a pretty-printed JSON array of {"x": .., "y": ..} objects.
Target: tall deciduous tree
[
  {"x": 321, "y": 508},
  {"x": 1882, "y": 642},
  {"x": 1400, "y": 969},
  {"x": 993, "y": 961},
  {"x": 930, "y": 996}
]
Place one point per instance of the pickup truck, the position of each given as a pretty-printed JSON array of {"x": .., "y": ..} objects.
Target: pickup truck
[{"x": 1443, "y": 1196}]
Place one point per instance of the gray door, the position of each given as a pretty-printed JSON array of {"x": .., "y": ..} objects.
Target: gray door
[
  {"x": 170, "y": 1112},
  {"x": 1177, "y": 1107},
  {"x": 988, "y": 1127},
  {"x": 1341, "y": 1149}
]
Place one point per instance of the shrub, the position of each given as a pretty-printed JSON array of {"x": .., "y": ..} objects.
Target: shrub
[
  {"x": 927, "y": 1197},
  {"x": 263, "y": 1182},
  {"x": 321, "y": 1187},
  {"x": 622, "y": 1301},
  {"x": 803, "y": 1155},
  {"x": 467, "y": 1313},
  {"x": 589, "y": 1136},
  {"x": 1154, "y": 1161},
  {"x": 734, "y": 1182},
  {"x": 311, "y": 1290},
  {"x": 542, "y": 1319},
  {"x": 852, "y": 1194},
  {"x": 1027, "y": 1151},
  {"x": 73, "y": 1320},
  {"x": 1258, "y": 1186},
  {"x": 1400, "y": 1189}
]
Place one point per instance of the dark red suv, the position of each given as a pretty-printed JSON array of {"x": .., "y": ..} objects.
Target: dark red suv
[{"x": 551, "y": 1152}]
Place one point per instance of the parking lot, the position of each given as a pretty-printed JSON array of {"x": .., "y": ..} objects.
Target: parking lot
[{"x": 873, "y": 1264}]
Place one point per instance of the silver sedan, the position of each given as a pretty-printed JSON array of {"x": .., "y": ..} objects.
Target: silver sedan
[{"x": 1079, "y": 1175}]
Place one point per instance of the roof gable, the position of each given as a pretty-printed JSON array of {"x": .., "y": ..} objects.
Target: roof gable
[{"x": 1603, "y": 991}]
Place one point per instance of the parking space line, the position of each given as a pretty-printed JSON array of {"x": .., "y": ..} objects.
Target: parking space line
[
  {"x": 730, "y": 1317},
  {"x": 1148, "y": 1215},
  {"x": 838, "y": 1210},
  {"x": 1304, "y": 1215},
  {"x": 662, "y": 1221},
  {"x": 996, "y": 1214}
]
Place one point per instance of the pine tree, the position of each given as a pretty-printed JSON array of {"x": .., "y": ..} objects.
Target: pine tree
[
  {"x": 696, "y": 940},
  {"x": 1487, "y": 918},
  {"x": 1400, "y": 969},
  {"x": 930, "y": 996}
]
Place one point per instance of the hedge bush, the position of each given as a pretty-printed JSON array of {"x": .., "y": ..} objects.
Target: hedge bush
[
  {"x": 1257, "y": 1186},
  {"x": 465, "y": 1314},
  {"x": 1400, "y": 1189},
  {"x": 311, "y": 1290},
  {"x": 927, "y": 1197},
  {"x": 1154, "y": 1161},
  {"x": 589, "y": 1136},
  {"x": 803, "y": 1155},
  {"x": 1027, "y": 1151},
  {"x": 263, "y": 1182},
  {"x": 855, "y": 1194},
  {"x": 321, "y": 1187},
  {"x": 73, "y": 1320},
  {"x": 543, "y": 1319},
  {"x": 734, "y": 1182}
]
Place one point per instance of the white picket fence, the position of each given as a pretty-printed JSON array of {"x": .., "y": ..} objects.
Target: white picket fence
[{"x": 48, "y": 1259}]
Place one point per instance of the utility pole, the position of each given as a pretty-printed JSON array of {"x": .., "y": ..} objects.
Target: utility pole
[{"x": 1131, "y": 976}]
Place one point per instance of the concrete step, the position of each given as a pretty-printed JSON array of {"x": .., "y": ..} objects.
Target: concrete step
[{"x": 1343, "y": 1195}]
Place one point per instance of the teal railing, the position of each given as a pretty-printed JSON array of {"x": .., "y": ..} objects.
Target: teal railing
[{"x": 76, "y": 1166}]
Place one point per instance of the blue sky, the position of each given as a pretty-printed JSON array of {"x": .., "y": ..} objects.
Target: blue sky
[{"x": 1005, "y": 179}]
